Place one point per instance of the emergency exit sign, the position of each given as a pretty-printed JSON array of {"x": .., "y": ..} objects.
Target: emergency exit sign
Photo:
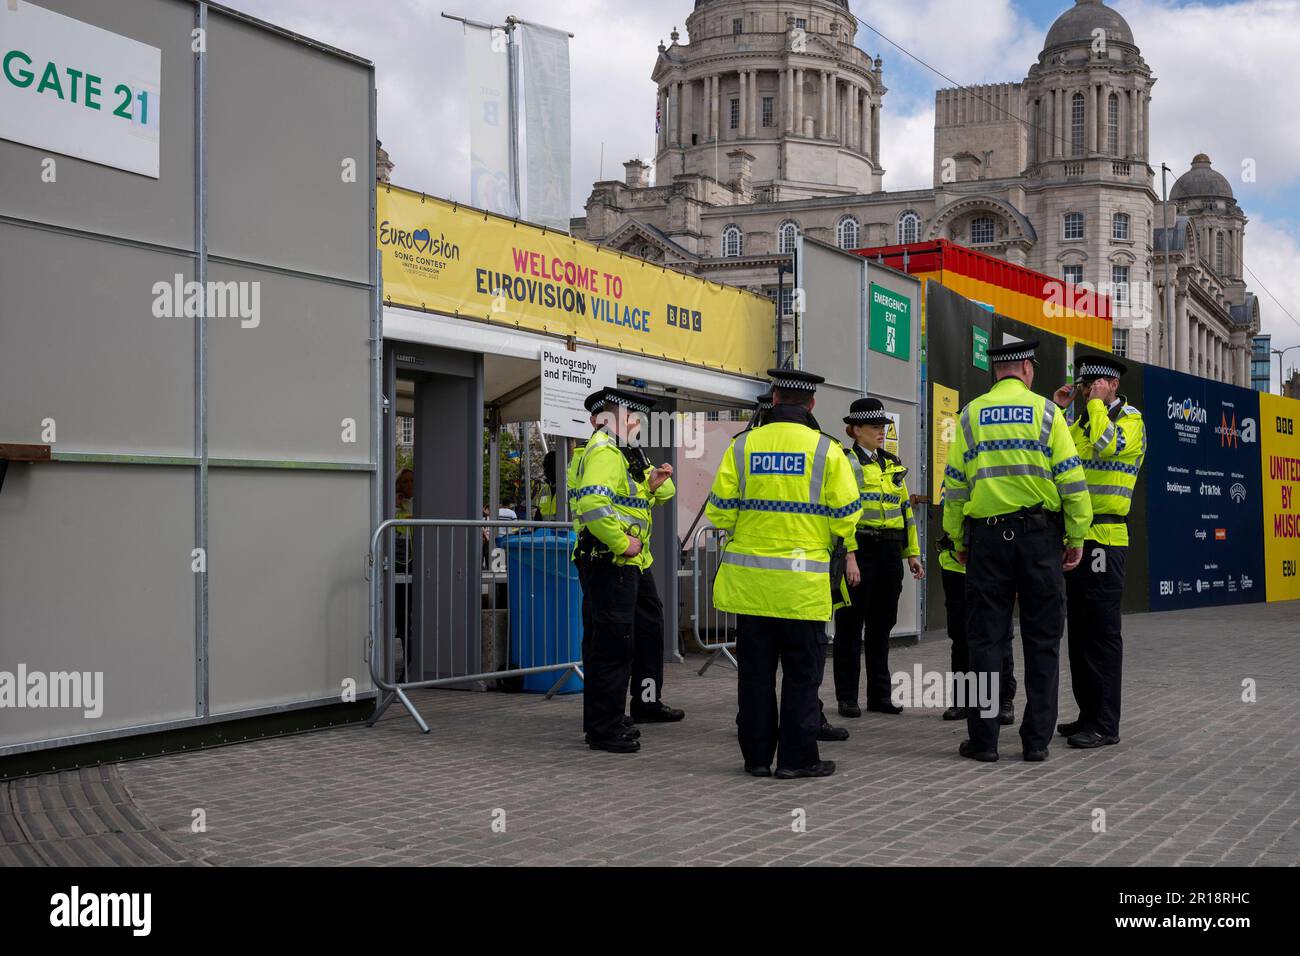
[
  {"x": 889, "y": 323},
  {"x": 979, "y": 348}
]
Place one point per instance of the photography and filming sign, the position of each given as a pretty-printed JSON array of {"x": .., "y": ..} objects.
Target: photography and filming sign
[
  {"x": 567, "y": 379},
  {"x": 1203, "y": 467},
  {"x": 889, "y": 323},
  {"x": 72, "y": 88}
]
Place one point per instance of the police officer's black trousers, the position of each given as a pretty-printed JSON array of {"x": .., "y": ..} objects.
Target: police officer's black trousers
[
  {"x": 617, "y": 600},
  {"x": 954, "y": 601},
  {"x": 647, "y": 648},
  {"x": 1017, "y": 556},
  {"x": 873, "y": 607},
  {"x": 790, "y": 733},
  {"x": 1094, "y": 591}
]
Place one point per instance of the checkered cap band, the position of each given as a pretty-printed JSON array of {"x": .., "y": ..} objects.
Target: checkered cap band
[
  {"x": 876, "y": 415},
  {"x": 793, "y": 384},
  {"x": 625, "y": 402},
  {"x": 1023, "y": 355},
  {"x": 1098, "y": 370}
]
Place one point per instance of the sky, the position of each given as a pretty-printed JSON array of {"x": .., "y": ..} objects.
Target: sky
[{"x": 1226, "y": 86}]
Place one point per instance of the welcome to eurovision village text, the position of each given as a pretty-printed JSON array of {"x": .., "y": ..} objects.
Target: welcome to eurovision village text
[{"x": 565, "y": 286}]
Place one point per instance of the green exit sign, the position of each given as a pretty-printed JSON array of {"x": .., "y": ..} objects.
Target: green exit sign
[
  {"x": 979, "y": 348},
  {"x": 889, "y": 323}
]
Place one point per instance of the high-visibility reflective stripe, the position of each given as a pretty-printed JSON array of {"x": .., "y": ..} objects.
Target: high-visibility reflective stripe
[
  {"x": 784, "y": 507},
  {"x": 1049, "y": 415},
  {"x": 738, "y": 456},
  {"x": 1119, "y": 491},
  {"x": 950, "y": 472},
  {"x": 609, "y": 493},
  {"x": 1120, "y": 441},
  {"x": 1065, "y": 464},
  {"x": 956, "y": 494},
  {"x": 1002, "y": 471},
  {"x": 604, "y": 511},
  {"x": 1073, "y": 488},
  {"x": 818, "y": 470},
  {"x": 776, "y": 564},
  {"x": 1111, "y": 466},
  {"x": 1106, "y": 437},
  {"x": 969, "y": 435},
  {"x": 1007, "y": 444}
]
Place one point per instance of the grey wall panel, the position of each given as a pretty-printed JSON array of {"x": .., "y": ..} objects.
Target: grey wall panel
[
  {"x": 832, "y": 284},
  {"x": 282, "y": 118},
  {"x": 282, "y": 388},
  {"x": 96, "y": 198},
  {"x": 89, "y": 353},
  {"x": 288, "y": 603},
  {"x": 95, "y": 575}
]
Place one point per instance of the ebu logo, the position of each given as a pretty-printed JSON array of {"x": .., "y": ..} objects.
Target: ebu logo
[{"x": 688, "y": 320}]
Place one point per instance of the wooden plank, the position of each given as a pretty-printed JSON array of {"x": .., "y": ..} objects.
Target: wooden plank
[{"x": 14, "y": 452}]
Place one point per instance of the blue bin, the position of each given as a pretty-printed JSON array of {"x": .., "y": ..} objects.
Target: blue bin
[{"x": 545, "y": 606}]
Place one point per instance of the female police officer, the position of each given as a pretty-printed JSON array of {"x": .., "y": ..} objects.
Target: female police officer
[{"x": 886, "y": 536}]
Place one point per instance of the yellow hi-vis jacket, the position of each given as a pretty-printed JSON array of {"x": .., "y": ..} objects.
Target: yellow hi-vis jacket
[
  {"x": 783, "y": 493},
  {"x": 546, "y": 505},
  {"x": 607, "y": 500},
  {"x": 1012, "y": 451},
  {"x": 886, "y": 505},
  {"x": 1112, "y": 444}
]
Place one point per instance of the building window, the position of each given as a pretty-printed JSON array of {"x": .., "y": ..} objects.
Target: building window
[
  {"x": 1072, "y": 274},
  {"x": 735, "y": 114},
  {"x": 800, "y": 23},
  {"x": 1218, "y": 253},
  {"x": 847, "y": 233},
  {"x": 1119, "y": 226},
  {"x": 769, "y": 110},
  {"x": 737, "y": 26},
  {"x": 785, "y": 237},
  {"x": 732, "y": 242},
  {"x": 1119, "y": 342},
  {"x": 1076, "y": 125},
  {"x": 1072, "y": 226},
  {"x": 981, "y": 230},
  {"x": 1119, "y": 285},
  {"x": 909, "y": 227},
  {"x": 1112, "y": 124},
  {"x": 405, "y": 430},
  {"x": 787, "y": 300}
]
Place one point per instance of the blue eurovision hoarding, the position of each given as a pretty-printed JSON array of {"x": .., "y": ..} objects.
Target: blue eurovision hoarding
[{"x": 1205, "y": 527}]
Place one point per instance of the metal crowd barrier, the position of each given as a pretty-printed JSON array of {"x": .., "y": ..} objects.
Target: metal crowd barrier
[
  {"x": 715, "y": 631},
  {"x": 439, "y": 600}
]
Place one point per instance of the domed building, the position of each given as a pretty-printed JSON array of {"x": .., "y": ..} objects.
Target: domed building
[{"x": 769, "y": 125}]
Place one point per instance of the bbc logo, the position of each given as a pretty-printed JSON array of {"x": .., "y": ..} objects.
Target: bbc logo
[{"x": 687, "y": 320}]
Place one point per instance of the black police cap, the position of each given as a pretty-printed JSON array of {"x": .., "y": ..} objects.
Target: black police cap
[
  {"x": 1098, "y": 366},
  {"x": 793, "y": 380},
  {"x": 867, "y": 411},
  {"x": 1014, "y": 352},
  {"x": 636, "y": 401}
]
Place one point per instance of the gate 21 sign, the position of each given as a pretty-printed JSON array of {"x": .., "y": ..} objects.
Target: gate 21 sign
[
  {"x": 72, "y": 88},
  {"x": 889, "y": 323}
]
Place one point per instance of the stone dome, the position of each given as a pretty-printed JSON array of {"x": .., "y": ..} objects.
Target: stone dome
[
  {"x": 1077, "y": 24},
  {"x": 1201, "y": 182}
]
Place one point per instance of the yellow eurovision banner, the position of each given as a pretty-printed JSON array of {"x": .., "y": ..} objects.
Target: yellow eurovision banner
[
  {"x": 460, "y": 261},
  {"x": 943, "y": 424},
  {"x": 1279, "y": 434}
]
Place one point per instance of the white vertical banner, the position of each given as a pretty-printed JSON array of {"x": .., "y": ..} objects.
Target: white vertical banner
[
  {"x": 487, "y": 64},
  {"x": 547, "y": 124}
]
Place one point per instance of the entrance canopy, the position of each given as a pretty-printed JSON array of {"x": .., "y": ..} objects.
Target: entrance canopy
[{"x": 512, "y": 357}]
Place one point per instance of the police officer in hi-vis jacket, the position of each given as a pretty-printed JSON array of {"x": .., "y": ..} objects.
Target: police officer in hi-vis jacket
[{"x": 886, "y": 538}]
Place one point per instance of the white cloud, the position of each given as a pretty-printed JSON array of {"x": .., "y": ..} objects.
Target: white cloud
[
  {"x": 1225, "y": 86},
  {"x": 1272, "y": 251},
  {"x": 907, "y": 149}
]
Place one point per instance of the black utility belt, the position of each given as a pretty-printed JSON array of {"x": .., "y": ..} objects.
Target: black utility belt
[
  {"x": 889, "y": 535},
  {"x": 1029, "y": 518},
  {"x": 1109, "y": 519}
]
